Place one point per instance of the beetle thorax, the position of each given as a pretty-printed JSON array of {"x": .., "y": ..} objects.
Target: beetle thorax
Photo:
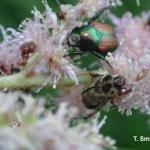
[{"x": 105, "y": 86}]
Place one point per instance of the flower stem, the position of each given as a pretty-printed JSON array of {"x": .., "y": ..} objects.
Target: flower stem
[
  {"x": 18, "y": 81},
  {"x": 24, "y": 80}
]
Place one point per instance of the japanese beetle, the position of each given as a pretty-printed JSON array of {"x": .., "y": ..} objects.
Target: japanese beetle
[{"x": 95, "y": 37}]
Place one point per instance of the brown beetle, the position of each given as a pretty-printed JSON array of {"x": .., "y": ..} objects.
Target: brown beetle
[{"x": 104, "y": 88}]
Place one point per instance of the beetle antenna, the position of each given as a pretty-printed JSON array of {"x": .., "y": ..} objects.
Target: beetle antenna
[{"x": 99, "y": 13}]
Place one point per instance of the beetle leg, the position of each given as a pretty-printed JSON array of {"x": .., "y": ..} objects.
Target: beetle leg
[
  {"x": 99, "y": 13},
  {"x": 91, "y": 114},
  {"x": 76, "y": 120},
  {"x": 77, "y": 53},
  {"x": 74, "y": 53},
  {"x": 88, "y": 89},
  {"x": 112, "y": 102},
  {"x": 103, "y": 58}
]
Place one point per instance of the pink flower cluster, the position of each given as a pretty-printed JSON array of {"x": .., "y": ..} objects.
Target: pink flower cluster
[
  {"x": 132, "y": 59},
  {"x": 48, "y": 33},
  {"x": 34, "y": 128}
]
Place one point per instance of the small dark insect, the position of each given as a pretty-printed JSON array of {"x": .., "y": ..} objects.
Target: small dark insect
[
  {"x": 95, "y": 37},
  {"x": 61, "y": 15},
  {"x": 105, "y": 88},
  {"x": 148, "y": 23},
  {"x": 5, "y": 70},
  {"x": 26, "y": 49}
]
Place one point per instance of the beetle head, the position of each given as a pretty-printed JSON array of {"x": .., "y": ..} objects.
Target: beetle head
[
  {"x": 119, "y": 83},
  {"x": 74, "y": 37}
]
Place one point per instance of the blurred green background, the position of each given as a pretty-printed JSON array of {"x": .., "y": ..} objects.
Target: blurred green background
[{"x": 119, "y": 127}]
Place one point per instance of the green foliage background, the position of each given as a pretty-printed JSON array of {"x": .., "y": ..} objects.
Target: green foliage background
[{"x": 119, "y": 127}]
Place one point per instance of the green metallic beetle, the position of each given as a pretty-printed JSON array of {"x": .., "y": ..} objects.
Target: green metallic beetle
[{"x": 95, "y": 37}]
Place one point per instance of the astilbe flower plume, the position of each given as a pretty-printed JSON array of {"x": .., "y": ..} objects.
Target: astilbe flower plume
[
  {"x": 34, "y": 128},
  {"x": 84, "y": 9},
  {"x": 49, "y": 35},
  {"x": 38, "y": 46},
  {"x": 45, "y": 34},
  {"x": 132, "y": 59}
]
